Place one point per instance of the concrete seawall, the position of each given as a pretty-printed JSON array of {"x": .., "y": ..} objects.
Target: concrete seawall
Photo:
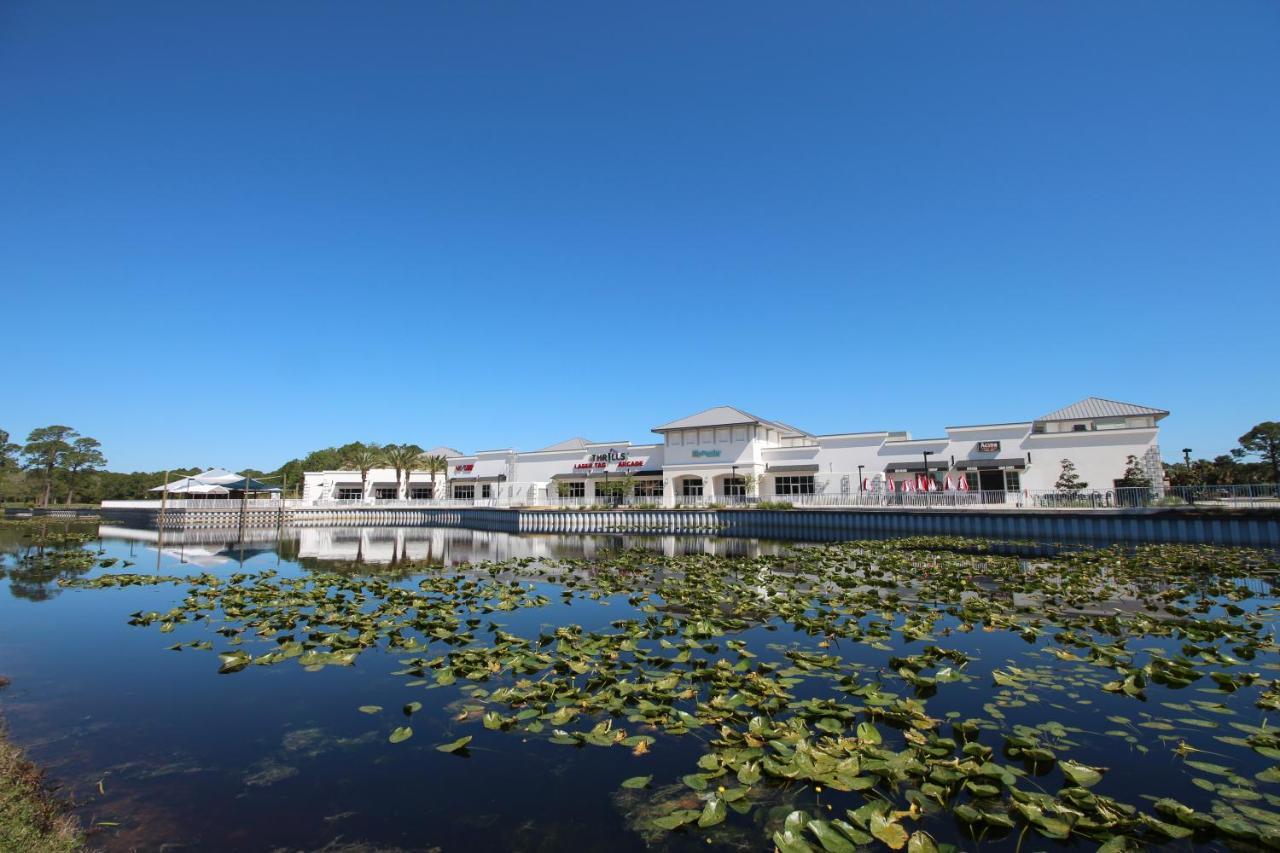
[{"x": 1254, "y": 529}]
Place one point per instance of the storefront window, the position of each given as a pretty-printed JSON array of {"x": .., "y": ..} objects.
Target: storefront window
[
  {"x": 793, "y": 485},
  {"x": 485, "y": 491},
  {"x": 1012, "y": 481},
  {"x": 464, "y": 491},
  {"x": 648, "y": 488},
  {"x": 384, "y": 494},
  {"x": 351, "y": 493},
  {"x": 421, "y": 493},
  {"x": 691, "y": 488},
  {"x": 576, "y": 489},
  {"x": 735, "y": 487}
]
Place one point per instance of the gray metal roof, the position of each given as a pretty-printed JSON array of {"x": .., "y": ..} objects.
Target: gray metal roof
[
  {"x": 726, "y": 416},
  {"x": 443, "y": 451},
  {"x": 569, "y": 444},
  {"x": 1097, "y": 407}
]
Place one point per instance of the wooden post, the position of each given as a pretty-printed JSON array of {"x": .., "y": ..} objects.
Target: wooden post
[
  {"x": 164, "y": 503},
  {"x": 284, "y": 493},
  {"x": 244, "y": 509}
]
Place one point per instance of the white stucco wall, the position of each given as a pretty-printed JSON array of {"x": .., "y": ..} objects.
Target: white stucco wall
[{"x": 714, "y": 453}]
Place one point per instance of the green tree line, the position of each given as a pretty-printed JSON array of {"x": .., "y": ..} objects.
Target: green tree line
[
  {"x": 1255, "y": 460},
  {"x": 57, "y": 465}
]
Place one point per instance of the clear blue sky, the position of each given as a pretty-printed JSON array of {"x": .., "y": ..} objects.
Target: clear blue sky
[{"x": 234, "y": 232}]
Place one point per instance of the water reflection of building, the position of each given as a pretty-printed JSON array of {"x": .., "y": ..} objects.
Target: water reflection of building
[
  {"x": 446, "y": 546},
  {"x": 314, "y": 547},
  {"x": 204, "y": 547}
]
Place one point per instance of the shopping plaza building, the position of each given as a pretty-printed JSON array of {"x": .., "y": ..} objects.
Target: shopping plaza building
[{"x": 727, "y": 454}]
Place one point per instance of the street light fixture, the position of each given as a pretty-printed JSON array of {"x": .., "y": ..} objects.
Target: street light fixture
[
  {"x": 860, "y": 467},
  {"x": 927, "y": 454}
]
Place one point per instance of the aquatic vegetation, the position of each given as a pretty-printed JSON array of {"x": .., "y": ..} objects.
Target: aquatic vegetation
[
  {"x": 868, "y": 693},
  {"x": 45, "y": 552},
  {"x": 31, "y": 818}
]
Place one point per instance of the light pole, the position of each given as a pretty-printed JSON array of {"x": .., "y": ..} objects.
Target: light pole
[
  {"x": 1186, "y": 457},
  {"x": 733, "y": 478},
  {"x": 927, "y": 454},
  {"x": 860, "y": 467}
]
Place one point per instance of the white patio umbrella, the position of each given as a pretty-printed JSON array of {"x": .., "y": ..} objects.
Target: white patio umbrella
[
  {"x": 192, "y": 486},
  {"x": 205, "y": 483}
]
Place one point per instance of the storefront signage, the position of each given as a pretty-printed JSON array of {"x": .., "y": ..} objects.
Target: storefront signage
[
  {"x": 988, "y": 447},
  {"x": 600, "y": 464},
  {"x": 611, "y": 456},
  {"x": 461, "y": 468},
  {"x": 705, "y": 453}
]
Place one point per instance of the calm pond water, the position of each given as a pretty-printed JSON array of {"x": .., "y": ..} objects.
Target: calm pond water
[{"x": 159, "y": 750}]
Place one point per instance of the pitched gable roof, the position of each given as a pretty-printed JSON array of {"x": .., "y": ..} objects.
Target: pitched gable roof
[
  {"x": 577, "y": 443},
  {"x": 446, "y": 452},
  {"x": 1097, "y": 407},
  {"x": 725, "y": 416}
]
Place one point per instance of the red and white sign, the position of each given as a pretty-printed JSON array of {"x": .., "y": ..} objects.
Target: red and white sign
[{"x": 457, "y": 469}]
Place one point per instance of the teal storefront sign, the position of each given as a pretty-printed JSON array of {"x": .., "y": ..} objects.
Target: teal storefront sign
[{"x": 705, "y": 453}]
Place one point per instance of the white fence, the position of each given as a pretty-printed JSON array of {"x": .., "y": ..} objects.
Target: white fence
[{"x": 1247, "y": 496}]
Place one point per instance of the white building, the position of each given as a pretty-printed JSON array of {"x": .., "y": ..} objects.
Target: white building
[{"x": 726, "y": 454}]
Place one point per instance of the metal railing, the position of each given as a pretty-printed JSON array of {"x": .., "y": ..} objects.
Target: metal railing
[
  {"x": 1229, "y": 496},
  {"x": 605, "y": 501},
  {"x": 228, "y": 504}
]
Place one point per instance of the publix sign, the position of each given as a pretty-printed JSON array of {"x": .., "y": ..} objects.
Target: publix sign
[{"x": 706, "y": 454}]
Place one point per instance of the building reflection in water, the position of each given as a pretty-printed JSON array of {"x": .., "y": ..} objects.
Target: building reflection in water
[
  {"x": 451, "y": 546},
  {"x": 317, "y": 547}
]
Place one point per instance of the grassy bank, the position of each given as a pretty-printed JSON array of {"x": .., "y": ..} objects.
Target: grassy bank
[{"x": 31, "y": 819}]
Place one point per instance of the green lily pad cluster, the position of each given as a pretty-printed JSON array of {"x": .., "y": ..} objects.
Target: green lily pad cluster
[{"x": 823, "y": 687}]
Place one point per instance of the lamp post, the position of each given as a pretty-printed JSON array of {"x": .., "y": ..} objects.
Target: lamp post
[
  {"x": 860, "y": 467},
  {"x": 927, "y": 454},
  {"x": 733, "y": 478},
  {"x": 1186, "y": 457}
]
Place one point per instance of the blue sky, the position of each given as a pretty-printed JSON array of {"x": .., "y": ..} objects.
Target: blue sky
[{"x": 235, "y": 232}]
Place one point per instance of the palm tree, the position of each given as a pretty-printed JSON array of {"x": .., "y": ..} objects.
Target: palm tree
[
  {"x": 435, "y": 465},
  {"x": 403, "y": 458},
  {"x": 417, "y": 463},
  {"x": 363, "y": 458}
]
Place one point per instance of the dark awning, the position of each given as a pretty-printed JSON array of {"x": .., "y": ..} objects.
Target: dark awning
[
  {"x": 599, "y": 474},
  {"x": 913, "y": 467},
  {"x": 793, "y": 469},
  {"x": 991, "y": 464}
]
